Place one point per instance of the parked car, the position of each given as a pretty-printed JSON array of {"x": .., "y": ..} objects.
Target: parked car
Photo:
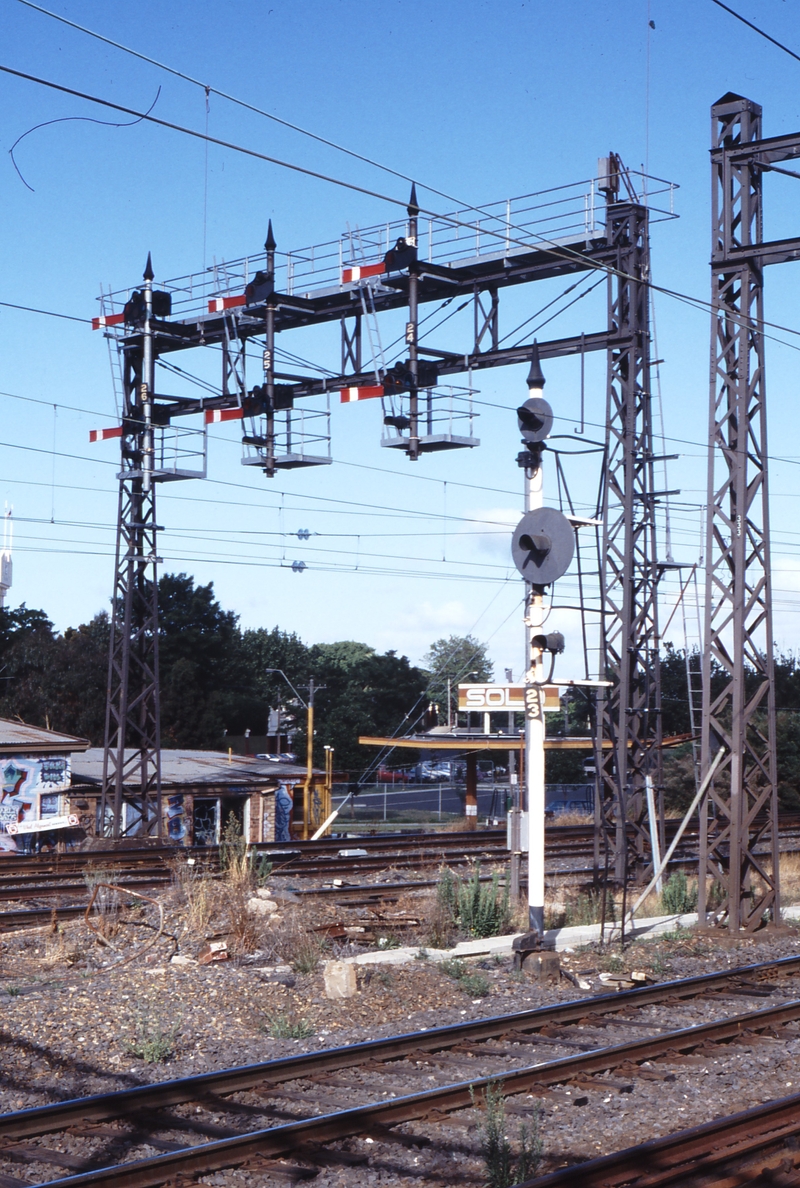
[
  {"x": 393, "y": 775},
  {"x": 432, "y": 772}
]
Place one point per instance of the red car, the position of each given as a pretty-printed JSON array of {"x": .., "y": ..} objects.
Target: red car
[{"x": 392, "y": 775}]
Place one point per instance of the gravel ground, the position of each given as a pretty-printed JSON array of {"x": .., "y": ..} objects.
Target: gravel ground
[{"x": 70, "y": 1019}]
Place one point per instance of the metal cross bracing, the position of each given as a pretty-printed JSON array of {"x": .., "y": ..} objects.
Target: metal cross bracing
[
  {"x": 739, "y": 878},
  {"x": 469, "y": 256},
  {"x": 131, "y": 790},
  {"x": 631, "y": 711}
]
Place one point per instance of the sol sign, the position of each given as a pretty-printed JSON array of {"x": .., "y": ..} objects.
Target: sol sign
[{"x": 508, "y": 698}]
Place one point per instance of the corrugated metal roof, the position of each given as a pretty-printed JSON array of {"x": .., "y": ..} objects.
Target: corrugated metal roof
[
  {"x": 188, "y": 768},
  {"x": 16, "y": 737}
]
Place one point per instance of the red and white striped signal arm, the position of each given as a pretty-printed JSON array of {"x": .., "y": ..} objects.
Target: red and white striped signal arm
[
  {"x": 349, "y": 395},
  {"x": 104, "y": 434},
  {"x": 220, "y": 304},
  {"x": 361, "y": 271},
  {"x": 108, "y": 320},
  {"x": 215, "y": 415}
]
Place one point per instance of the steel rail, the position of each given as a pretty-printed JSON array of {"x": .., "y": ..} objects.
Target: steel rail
[
  {"x": 701, "y": 1154},
  {"x": 101, "y": 1107},
  {"x": 284, "y": 1139}
]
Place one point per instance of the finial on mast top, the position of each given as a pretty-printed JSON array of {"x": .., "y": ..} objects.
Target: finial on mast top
[{"x": 536, "y": 380}]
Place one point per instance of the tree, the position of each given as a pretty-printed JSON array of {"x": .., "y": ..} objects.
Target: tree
[
  {"x": 260, "y": 690},
  {"x": 29, "y": 665},
  {"x": 80, "y": 706},
  {"x": 459, "y": 659},
  {"x": 365, "y": 693},
  {"x": 199, "y": 659}
]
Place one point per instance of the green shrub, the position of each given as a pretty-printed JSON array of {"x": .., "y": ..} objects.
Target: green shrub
[
  {"x": 151, "y": 1041},
  {"x": 678, "y": 897},
  {"x": 588, "y": 909},
  {"x": 282, "y": 1027},
  {"x": 502, "y": 1170},
  {"x": 477, "y": 985},
  {"x": 475, "y": 908},
  {"x": 307, "y": 954}
]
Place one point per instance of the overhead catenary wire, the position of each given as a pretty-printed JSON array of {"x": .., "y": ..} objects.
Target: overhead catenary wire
[
  {"x": 757, "y": 29},
  {"x": 210, "y": 90},
  {"x": 570, "y": 254}
]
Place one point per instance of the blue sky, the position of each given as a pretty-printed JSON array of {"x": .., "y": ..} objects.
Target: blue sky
[{"x": 480, "y": 100}]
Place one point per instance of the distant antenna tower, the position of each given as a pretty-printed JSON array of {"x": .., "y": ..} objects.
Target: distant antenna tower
[{"x": 5, "y": 557}]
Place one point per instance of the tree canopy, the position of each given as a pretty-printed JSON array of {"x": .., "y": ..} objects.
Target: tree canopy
[
  {"x": 216, "y": 679},
  {"x": 460, "y": 659}
]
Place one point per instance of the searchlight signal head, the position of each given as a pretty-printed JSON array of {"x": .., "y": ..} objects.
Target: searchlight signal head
[
  {"x": 553, "y": 642},
  {"x": 535, "y": 416}
]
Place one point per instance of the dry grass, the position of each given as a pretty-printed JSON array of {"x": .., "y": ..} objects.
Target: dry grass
[
  {"x": 198, "y": 892},
  {"x": 293, "y": 942},
  {"x": 651, "y": 907},
  {"x": 572, "y": 818},
  {"x": 67, "y": 944},
  {"x": 790, "y": 878}
]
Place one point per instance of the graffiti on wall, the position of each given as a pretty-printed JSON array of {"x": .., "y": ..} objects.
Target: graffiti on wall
[
  {"x": 29, "y": 790},
  {"x": 176, "y": 819}
]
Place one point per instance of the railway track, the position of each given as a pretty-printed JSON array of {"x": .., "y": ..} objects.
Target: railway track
[
  {"x": 54, "y": 886},
  {"x": 248, "y": 1117},
  {"x": 752, "y": 1148}
]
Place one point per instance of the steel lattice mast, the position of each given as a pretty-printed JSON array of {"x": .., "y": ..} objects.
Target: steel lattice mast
[
  {"x": 132, "y": 704},
  {"x": 631, "y": 709},
  {"x": 738, "y": 664}
]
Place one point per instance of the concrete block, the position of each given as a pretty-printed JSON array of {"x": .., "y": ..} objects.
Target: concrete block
[
  {"x": 261, "y": 907},
  {"x": 340, "y": 979},
  {"x": 544, "y": 966}
]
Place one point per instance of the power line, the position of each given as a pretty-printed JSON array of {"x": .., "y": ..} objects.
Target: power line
[
  {"x": 395, "y": 511},
  {"x": 755, "y": 28},
  {"x": 209, "y": 90},
  {"x": 47, "y": 312},
  {"x": 236, "y": 148},
  {"x": 565, "y": 253}
]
